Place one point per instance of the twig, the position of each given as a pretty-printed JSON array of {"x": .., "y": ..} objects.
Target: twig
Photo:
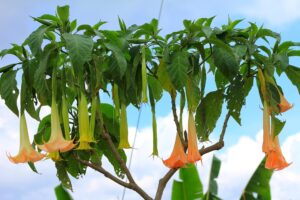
[{"x": 220, "y": 144}]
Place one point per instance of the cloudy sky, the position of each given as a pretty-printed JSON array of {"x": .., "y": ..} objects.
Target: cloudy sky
[{"x": 243, "y": 144}]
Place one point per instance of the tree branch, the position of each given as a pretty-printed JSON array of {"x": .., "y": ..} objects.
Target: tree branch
[
  {"x": 217, "y": 146},
  {"x": 119, "y": 159},
  {"x": 107, "y": 174}
]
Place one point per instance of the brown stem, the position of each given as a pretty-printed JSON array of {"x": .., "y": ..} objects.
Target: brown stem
[
  {"x": 175, "y": 117},
  {"x": 217, "y": 146},
  {"x": 107, "y": 174},
  {"x": 119, "y": 159}
]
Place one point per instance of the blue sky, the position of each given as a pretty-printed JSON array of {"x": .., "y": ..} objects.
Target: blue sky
[{"x": 16, "y": 24}]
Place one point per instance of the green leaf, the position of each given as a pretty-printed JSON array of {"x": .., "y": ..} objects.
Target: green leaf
[
  {"x": 120, "y": 58},
  {"x": 164, "y": 77},
  {"x": 277, "y": 125},
  {"x": 61, "y": 193},
  {"x": 63, "y": 175},
  {"x": 40, "y": 82},
  {"x": 282, "y": 59},
  {"x": 293, "y": 73},
  {"x": 236, "y": 96},
  {"x": 177, "y": 69},
  {"x": 155, "y": 87},
  {"x": 9, "y": 91},
  {"x": 35, "y": 40},
  {"x": 225, "y": 61},
  {"x": 7, "y": 68},
  {"x": 80, "y": 48},
  {"x": 208, "y": 113},
  {"x": 189, "y": 186},
  {"x": 177, "y": 191},
  {"x": 258, "y": 187},
  {"x": 27, "y": 100},
  {"x": 192, "y": 94},
  {"x": 212, "y": 190},
  {"x": 63, "y": 13}
]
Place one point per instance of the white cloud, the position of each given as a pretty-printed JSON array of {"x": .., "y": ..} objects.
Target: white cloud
[
  {"x": 273, "y": 12},
  {"x": 238, "y": 163}
]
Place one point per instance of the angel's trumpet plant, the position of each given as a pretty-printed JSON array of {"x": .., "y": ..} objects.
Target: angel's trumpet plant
[
  {"x": 26, "y": 151},
  {"x": 57, "y": 142},
  {"x": 86, "y": 128},
  {"x": 193, "y": 151},
  {"x": 178, "y": 158},
  {"x": 124, "y": 144}
]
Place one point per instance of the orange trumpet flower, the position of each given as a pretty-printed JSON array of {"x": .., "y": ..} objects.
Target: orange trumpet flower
[
  {"x": 178, "y": 157},
  {"x": 57, "y": 141},
  {"x": 275, "y": 159},
  {"x": 26, "y": 151},
  {"x": 284, "y": 104},
  {"x": 193, "y": 152}
]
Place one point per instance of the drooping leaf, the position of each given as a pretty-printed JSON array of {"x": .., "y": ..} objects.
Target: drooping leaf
[
  {"x": 177, "y": 69},
  {"x": 63, "y": 175},
  {"x": 208, "y": 113},
  {"x": 7, "y": 68},
  {"x": 258, "y": 187},
  {"x": 35, "y": 40},
  {"x": 9, "y": 91},
  {"x": 225, "y": 61},
  {"x": 40, "y": 82},
  {"x": 293, "y": 73},
  {"x": 189, "y": 186},
  {"x": 155, "y": 87},
  {"x": 80, "y": 49},
  {"x": 277, "y": 125},
  {"x": 61, "y": 193},
  {"x": 164, "y": 77}
]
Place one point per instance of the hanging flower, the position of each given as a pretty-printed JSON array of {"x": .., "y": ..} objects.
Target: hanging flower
[
  {"x": 86, "y": 129},
  {"x": 284, "y": 104},
  {"x": 275, "y": 159},
  {"x": 124, "y": 144},
  {"x": 178, "y": 157},
  {"x": 56, "y": 142},
  {"x": 26, "y": 151},
  {"x": 193, "y": 152}
]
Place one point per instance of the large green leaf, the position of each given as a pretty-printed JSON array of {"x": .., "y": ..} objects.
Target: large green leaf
[
  {"x": 63, "y": 175},
  {"x": 212, "y": 190},
  {"x": 9, "y": 90},
  {"x": 177, "y": 69},
  {"x": 258, "y": 187},
  {"x": 225, "y": 61},
  {"x": 40, "y": 83},
  {"x": 155, "y": 87},
  {"x": 293, "y": 73},
  {"x": 61, "y": 193},
  {"x": 80, "y": 49},
  {"x": 164, "y": 77},
  {"x": 35, "y": 40},
  {"x": 189, "y": 187},
  {"x": 208, "y": 113}
]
